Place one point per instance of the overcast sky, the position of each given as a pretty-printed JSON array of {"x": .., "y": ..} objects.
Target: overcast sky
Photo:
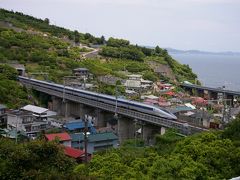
[{"x": 211, "y": 25}]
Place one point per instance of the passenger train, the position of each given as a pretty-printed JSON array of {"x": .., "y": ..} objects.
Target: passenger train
[{"x": 144, "y": 108}]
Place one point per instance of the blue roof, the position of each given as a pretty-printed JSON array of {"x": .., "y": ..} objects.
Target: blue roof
[{"x": 78, "y": 124}]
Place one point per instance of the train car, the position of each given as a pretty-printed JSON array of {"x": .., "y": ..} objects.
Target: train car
[{"x": 144, "y": 108}]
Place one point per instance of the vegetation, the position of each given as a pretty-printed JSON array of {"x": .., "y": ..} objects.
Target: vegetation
[
  {"x": 33, "y": 160},
  {"x": 11, "y": 93},
  {"x": 209, "y": 155},
  {"x": 27, "y": 22}
]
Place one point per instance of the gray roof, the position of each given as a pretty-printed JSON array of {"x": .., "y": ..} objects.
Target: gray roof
[
  {"x": 2, "y": 106},
  {"x": 180, "y": 109},
  {"x": 81, "y": 69}
]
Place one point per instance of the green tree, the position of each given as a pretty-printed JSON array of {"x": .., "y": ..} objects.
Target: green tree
[
  {"x": 46, "y": 20},
  {"x": 76, "y": 36},
  {"x": 117, "y": 42},
  {"x": 158, "y": 50},
  {"x": 32, "y": 160},
  {"x": 8, "y": 72}
]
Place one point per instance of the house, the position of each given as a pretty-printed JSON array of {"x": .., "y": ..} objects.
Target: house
[
  {"x": 39, "y": 112},
  {"x": 25, "y": 122},
  {"x": 136, "y": 83},
  {"x": 81, "y": 72},
  {"x": 77, "y": 154},
  {"x": 3, "y": 115},
  {"x": 131, "y": 93},
  {"x": 136, "y": 77},
  {"x": 95, "y": 142},
  {"x": 64, "y": 138},
  {"x": 109, "y": 79},
  {"x": 79, "y": 126},
  {"x": 133, "y": 82}
]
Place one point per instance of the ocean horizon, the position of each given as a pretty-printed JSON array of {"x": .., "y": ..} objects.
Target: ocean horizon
[{"x": 214, "y": 70}]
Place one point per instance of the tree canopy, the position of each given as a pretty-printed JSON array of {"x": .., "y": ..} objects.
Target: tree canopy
[{"x": 206, "y": 155}]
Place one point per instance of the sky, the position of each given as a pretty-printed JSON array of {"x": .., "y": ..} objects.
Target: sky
[{"x": 209, "y": 25}]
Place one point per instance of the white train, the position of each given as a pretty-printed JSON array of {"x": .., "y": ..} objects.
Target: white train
[{"x": 141, "y": 107}]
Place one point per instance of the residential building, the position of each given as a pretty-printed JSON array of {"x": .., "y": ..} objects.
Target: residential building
[
  {"x": 95, "y": 142},
  {"x": 109, "y": 79},
  {"x": 39, "y": 112},
  {"x": 81, "y": 72},
  {"x": 77, "y": 154},
  {"x": 136, "y": 83},
  {"x": 25, "y": 122},
  {"x": 63, "y": 138}
]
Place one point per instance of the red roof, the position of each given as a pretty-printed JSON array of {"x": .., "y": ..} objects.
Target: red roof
[
  {"x": 170, "y": 93},
  {"x": 61, "y": 136},
  {"x": 74, "y": 153},
  {"x": 151, "y": 101}
]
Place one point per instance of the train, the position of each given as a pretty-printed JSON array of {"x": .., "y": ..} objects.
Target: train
[{"x": 120, "y": 102}]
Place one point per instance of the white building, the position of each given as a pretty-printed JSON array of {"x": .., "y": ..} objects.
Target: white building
[
  {"x": 25, "y": 122},
  {"x": 135, "y": 82},
  {"x": 39, "y": 112}
]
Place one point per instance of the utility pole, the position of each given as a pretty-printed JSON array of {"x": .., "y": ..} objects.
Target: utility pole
[
  {"x": 85, "y": 137},
  {"x": 16, "y": 129}
]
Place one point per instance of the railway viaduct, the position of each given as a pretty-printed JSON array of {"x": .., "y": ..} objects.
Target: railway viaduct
[
  {"x": 127, "y": 119},
  {"x": 211, "y": 93}
]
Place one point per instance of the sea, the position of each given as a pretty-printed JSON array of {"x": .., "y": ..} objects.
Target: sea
[{"x": 214, "y": 70}]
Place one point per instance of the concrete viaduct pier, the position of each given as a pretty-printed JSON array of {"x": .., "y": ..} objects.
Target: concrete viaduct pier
[{"x": 126, "y": 127}]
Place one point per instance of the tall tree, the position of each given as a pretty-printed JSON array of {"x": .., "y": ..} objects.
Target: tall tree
[
  {"x": 46, "y": 20},
  {"x": 76, "y": 36}
]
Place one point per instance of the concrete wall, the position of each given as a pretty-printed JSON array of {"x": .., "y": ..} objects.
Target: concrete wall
[
  {"x": 93, "y": 147},
  {"x": 66, "y": 143},
  {"x": 126, "y": 129},
  {"x": 149, "y": 131}
]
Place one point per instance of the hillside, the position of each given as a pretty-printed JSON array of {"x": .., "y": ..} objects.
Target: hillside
[{"x": 42, "y": 47}]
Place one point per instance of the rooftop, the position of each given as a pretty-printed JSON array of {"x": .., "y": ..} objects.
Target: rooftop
[
  {"x": 2, "y": 106},
  {"x": 133, "y": 83},
  {"x": 34, "y": 109},
  {"x": 20, "y": 113},
  {"x": 80, "y": 69},
  {"x": 180, "y": 109},
  {"x": 77, "y": 124},
  {"x": 61, "y": 136},
  {"x": 134, "y": 76},
  {"x": 74, "y": 153}
]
